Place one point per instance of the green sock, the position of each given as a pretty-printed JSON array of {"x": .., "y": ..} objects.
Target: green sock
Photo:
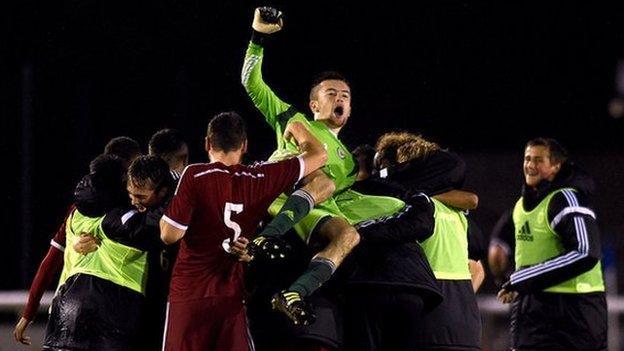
[
  {"x": 297, "y": 206},
  {"x": 319, "y": 271}
]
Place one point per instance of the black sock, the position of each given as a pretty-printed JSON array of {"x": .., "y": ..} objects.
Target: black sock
[
  {"x": 319, "y": 271},
  {"x": 297, "y": 206}
]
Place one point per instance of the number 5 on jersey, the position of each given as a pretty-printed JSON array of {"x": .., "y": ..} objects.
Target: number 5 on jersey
[{"x": 227, "y": 213}]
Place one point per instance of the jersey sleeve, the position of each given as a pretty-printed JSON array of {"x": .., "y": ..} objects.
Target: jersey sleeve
[
  {"x": 48, "y": 269},
  {"x": 180, "y": 209},
  {"x": 445, "y": 171},
  {"x": 281, "y": 176},
  {"x": 575, "y": 223},
  {"x": 58, "y": 241},
  {"x": 415, "y": 222},
  {"x": 133, "y": 228},
  {"x": 276, "y": 112},
  {"x": 438, "y": 173}
]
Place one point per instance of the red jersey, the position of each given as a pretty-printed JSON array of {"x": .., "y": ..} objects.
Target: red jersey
[
  {"x": 216, "y": 204},
  {"x": 51, "y": 264},
  {"x": 59, "y": 237}
]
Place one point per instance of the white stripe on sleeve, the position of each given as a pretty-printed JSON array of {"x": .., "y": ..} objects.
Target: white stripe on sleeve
[
  {"x": 57, "y": 245},
  {"x": 174, "y": 223},
  {"x": 565, "y": 260},
  {"x": 301, "y": 167}
]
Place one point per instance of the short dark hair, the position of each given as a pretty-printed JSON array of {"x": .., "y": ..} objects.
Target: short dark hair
[
  {"x": 107, "y": 170},
  {"x": 151, "y": 171},
  {"x": 227, "y": 131},
  {"x": 124, "y": 147},
  {"x": 165, "y": 142},
  {"x": 107, "y": 173},
  {"x": 558, "y": 153},
  {"x": 323, "y": 76},
  {"x": 103, "y": 188}
]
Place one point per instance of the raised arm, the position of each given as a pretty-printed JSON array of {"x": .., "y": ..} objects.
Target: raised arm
[{"x": 276, "y": 112}]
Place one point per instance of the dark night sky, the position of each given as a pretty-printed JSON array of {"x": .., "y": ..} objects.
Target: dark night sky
[{"x": 474, "y": 77}]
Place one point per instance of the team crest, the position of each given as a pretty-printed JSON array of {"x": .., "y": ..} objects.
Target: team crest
[{"x": 341, "y": 154}]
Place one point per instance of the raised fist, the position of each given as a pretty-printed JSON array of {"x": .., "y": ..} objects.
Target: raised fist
[{"x": 267, "y": 20}]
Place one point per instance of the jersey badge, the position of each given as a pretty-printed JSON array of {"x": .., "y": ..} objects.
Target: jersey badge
[{"x": 341, "y": 153}]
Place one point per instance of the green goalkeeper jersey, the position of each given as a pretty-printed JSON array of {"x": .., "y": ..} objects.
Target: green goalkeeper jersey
[{"x": 340, "y": 166}]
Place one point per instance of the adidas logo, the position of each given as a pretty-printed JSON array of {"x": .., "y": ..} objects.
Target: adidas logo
[
  {"x": 524, "y": 233},
  {"x": 525, "y": 229}
]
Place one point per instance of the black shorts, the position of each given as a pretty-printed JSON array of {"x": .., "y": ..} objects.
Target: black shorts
[
  {"x": 549, "y": 321},
  {"x": 90, "y": 313},
  {"x": 328, "y": 327},
  {"x": 382, "y": 319},
  {"x": 455, "y": 324}
]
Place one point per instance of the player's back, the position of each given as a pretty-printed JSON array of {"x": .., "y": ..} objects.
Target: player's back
[{"x": 224, "y": 202}]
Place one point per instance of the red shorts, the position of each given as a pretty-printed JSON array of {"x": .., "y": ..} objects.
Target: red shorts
[{"x": 214, "y": 323}]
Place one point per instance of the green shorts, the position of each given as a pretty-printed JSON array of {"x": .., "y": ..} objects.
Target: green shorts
[{"x": 350, "y": 205}]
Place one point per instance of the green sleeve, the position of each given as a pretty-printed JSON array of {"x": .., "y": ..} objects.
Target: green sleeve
[{"x": 275, "y": 111}]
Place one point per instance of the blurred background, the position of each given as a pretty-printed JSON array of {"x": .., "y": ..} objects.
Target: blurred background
[{"x": 480, "y": 79}]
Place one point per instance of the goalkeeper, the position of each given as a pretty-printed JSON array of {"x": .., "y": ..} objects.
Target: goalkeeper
[{"x": 324, "y": 206}]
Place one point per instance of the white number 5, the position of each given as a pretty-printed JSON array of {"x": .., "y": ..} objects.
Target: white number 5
[{"x": 227, "y": 213}]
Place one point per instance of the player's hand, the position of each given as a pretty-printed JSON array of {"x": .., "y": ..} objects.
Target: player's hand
[
  {"x": 506, "y": 296},
  {"x": 267, "y": 20},
  {"x": 239, "y": 249},
  {"x": 86, "y": 243},
  {"x": 20, "y": 329}
]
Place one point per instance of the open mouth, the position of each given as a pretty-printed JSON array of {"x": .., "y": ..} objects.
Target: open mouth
[{"x": 338, "y": 111}]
